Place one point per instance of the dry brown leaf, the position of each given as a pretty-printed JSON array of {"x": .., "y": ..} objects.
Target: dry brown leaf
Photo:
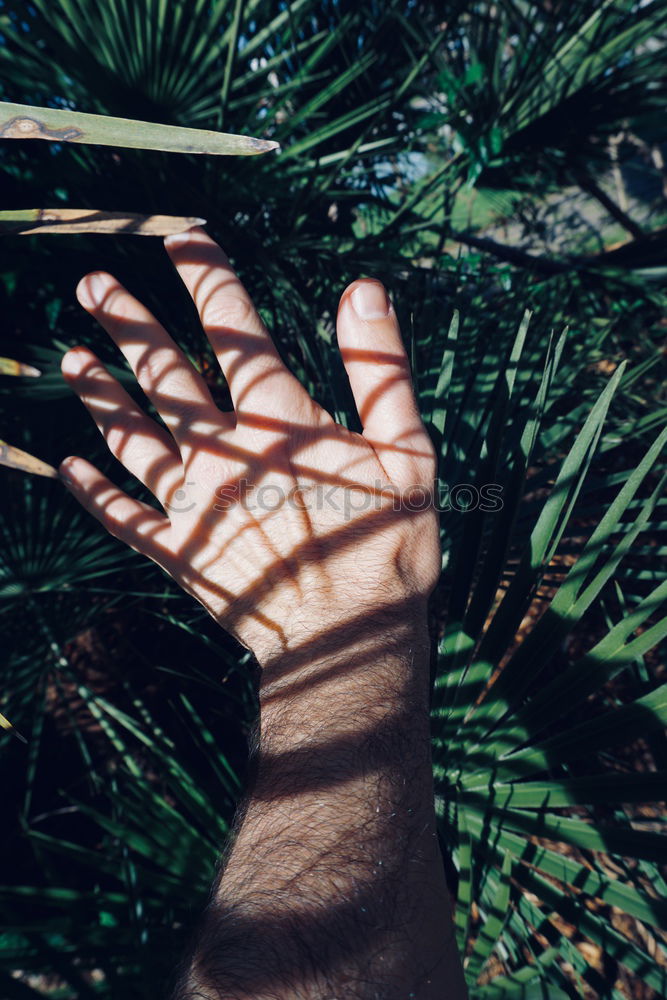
[
  {"x": 6, "y": 724},
  {"x": 90, "y": 220},
  {"x": 14, "y": 458},
  {"x": 10, "y": 367}
]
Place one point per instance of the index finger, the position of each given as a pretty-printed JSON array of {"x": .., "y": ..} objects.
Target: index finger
[{"x": 259, "y": 382}]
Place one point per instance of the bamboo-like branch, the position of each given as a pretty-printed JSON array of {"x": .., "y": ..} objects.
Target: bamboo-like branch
[
  {"x": 592, "y": 188},
  {"x": 542, "y": 265}
]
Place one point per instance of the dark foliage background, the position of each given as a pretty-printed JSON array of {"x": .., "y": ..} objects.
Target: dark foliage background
[{"x": 481, "y": 159}]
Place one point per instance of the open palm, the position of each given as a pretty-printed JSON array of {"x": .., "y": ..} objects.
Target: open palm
[{"x": 286, "y": 526}]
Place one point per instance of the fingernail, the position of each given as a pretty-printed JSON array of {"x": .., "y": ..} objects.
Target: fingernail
[
  {"x": 65, "y": 475},
  {"x": 178, "y": 239},
  {"x": 72, "y": 362},
  {"x": 370, "y": 301},
  {"x": 92, "y": 289}
]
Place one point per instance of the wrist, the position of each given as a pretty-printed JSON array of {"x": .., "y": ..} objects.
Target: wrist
[
  {"x": 375, "y": 674},
  {"x": 396, "y": 629}
]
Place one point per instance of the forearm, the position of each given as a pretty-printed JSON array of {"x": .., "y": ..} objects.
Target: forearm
[{"x": 334, "y": 886}]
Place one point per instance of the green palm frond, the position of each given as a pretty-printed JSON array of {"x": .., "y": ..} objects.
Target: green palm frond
[
  {"x": 405, "y": 135},
  {"x": 21, "y": 121},
  {"x": 509, "y": 740}
]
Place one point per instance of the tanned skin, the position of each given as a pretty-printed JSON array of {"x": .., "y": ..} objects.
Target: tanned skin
[{"x": 317, "y": 548}]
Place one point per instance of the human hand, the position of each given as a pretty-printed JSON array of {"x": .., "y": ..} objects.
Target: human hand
[{"x": 290, "y": 529}]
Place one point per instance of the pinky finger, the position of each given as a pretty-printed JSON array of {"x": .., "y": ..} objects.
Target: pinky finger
[{"x": 133, "y": 522}]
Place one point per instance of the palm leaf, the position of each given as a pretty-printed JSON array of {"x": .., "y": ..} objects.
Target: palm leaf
[
  {"x": 21, "y": 121},
  {"x": 85, "y": 220}
]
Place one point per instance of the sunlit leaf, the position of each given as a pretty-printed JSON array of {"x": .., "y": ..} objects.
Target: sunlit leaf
[
  {"x": 21, "y": 121},
  {"x": 14, "y": 458},
  {"x": 8, "y": 366},
  {"x": 6, "y": 724},
  {"x": 87, "y": 220}
]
